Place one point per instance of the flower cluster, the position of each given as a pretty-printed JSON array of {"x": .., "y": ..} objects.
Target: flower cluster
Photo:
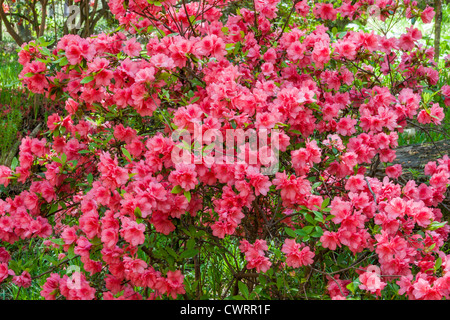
[{"x": 102, "y": 185}]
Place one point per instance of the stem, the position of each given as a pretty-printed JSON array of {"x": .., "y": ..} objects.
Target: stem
[
  {"x": 437, "y": 28},
  {"x": 287, "y": 21}
]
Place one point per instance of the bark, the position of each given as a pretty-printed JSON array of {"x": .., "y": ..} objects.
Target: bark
[
  {"x": 416, "y": 156},
  {"x": 43, "y": 18},
  {"x": 9, "y": 27},
  {"x": 437, "y": 28}
]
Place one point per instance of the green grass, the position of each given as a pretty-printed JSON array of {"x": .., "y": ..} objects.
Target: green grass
[
  {"x": 9, "y": 72},
  {"x": 9, "y": 66},
  {"x": 11, "y": 101},
  {"x": 10, "y": 122}
]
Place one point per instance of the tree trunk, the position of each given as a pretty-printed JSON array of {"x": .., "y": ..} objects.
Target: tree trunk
[
  {"x": 43, "y": 18},
  {"x": 9, "y": 27},
  {"x": 437, "y": 28},
  {"x": 416, "y": 156}
]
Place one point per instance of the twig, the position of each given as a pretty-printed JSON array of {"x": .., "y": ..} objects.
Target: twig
[
  {"x": 326, "y": 273},
  {"x": 373, "y": 194},
  {"x": 188, "y": 18},
  {"x": 55, "y": 267},
  {"x": 428, "y": 134},
  {"x": 364, "y": 257},
  {"x": 287, "y": 20}
]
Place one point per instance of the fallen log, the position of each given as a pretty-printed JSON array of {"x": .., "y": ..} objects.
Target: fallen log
[
  {"x": 416, "y": 156},
  {"x": 413, "y": 159}
]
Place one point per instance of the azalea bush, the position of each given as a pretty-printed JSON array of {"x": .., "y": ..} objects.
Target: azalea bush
[{"x": 133, "y": 191}]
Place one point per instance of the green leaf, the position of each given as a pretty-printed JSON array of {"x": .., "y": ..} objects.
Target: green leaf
[
  {"x": 309, "y": 218},
  {"x": 190, "y": 244},
  {"x": 325, "y": 203},
  {"x": 56, "y": 159},
  {"x": 63, "y": 62},
  {"x": 187, "y": 194},
  {"x": 14, "y": 163},
  {"x": 291, "y": 233},
  {"x": 71, "y": 252},
  {"x": 192, "y": 230},
  {"x": 308, "y": 229},
  {"x": 189, "y": 253},
  {"x": 53, "y": 208},
  {"x": 187, "y": 233},
  {"x": 50, "y": 259},
  {"x": 45, "y": 51},
  {"x": 243, "y": 289},
  {"x": 171, "y": 252},
  {"x": 295, "y": 131},
  {"x": 176, "y": 189},
  {"x": 137, "y": 212},
  {"x": 318, "y": 232},
  {"x": 127, "y": 154},
  {"x": 436, "y": 225},
  {"x": 315, "y": 185},
  {"x": 438, "y": 263},
  {"x": 301, "y": 232},
  {"x": 279, "y": 282},
  {"x": 262, "y": 280},
  {"x": 229, "y": 46},
  {"x": 352, "y": 287},
  {"x": 58, "y": 241},
  {"x": 318, "y": 216},
  {"x": 209, "y": 147},
  {"x": 87, "y": 79}
]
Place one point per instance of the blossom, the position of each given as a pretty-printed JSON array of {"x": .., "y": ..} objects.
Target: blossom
[
  {"x": 5, "y": 173},
  {"x": 132, "y": 232},
  {"x": 427, "y": 15},
  {"x": 423, "y": 290},
  {"x": 51, "y": 286},
  {"x": 24, "y": 280},
  {"x": 4, "y": 271},
  {"x": 297, "y": 257},
  {"x": 394, "y": 171},
  {"x": 174, "y": 283},
  {"x": 132, "y": 47},
  {"x": 184, "y": 176},
  {"x": 255, "y": 255},
  {"x": 371, "y": 280},
  {"x": 330, "y": 240},
  {"x": 112, "y": 175}
]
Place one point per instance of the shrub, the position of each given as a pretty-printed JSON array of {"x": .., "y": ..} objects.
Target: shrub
[{"x": 131, "y": 192}]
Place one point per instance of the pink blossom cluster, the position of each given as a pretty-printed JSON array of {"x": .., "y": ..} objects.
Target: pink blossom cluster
[{"x": 255, "y": 255}]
